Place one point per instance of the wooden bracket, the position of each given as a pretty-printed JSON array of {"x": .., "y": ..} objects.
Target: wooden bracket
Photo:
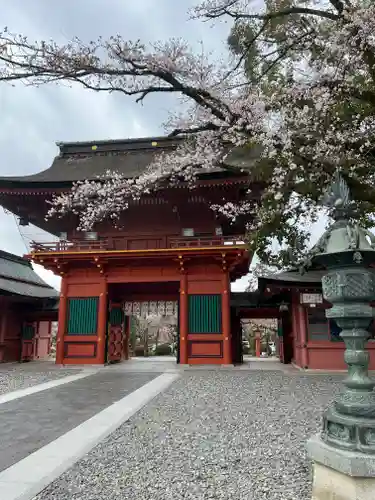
[
  {"x": 224, "y": 261},
  {"x": 181, "y": 264},
  {"x": 236, "y": 260},
  {"x": 181, "y": 260},
  {"x": 100, "y": 265},
  {"x": 61, "y": 268}
]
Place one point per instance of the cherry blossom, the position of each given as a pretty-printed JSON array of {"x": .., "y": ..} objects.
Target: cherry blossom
[{"x": 315, "y": 116}]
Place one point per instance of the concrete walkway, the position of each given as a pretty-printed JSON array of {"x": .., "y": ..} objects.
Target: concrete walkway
[
  {"x": 34, "y": 388},
  {"x": 162, "y": 364}
]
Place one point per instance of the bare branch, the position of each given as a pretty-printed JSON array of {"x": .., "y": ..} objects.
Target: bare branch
[
  {"x": 246, "y": 51},
  {"x": 225, "y": 10},
  {"x": 194, "y": 130},
  {"x": 284, "y": 13},
  {"x": 338, "y": 5},
  {"x": 131, "y": 66}
]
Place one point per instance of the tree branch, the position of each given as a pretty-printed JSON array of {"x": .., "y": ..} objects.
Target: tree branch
[
  {"x": 338, "y": 5},
  {"x": 194, "y": 130},
  {"x": 272, "y": 15},
  {"x": 246, "y": 51},
  {"x": 44, "y": 63}
]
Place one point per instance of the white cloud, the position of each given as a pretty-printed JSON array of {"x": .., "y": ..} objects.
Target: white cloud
[
  {"x": 48, "y": 276},
  {"x": 241, "y": 284}
]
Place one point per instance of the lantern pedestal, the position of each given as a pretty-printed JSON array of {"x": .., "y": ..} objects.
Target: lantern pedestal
[{"x": 340, "y": 474}]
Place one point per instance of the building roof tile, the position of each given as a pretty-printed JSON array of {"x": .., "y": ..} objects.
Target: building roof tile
[
  {"x": 130, "y": 157},
  {"x": 18, "y": 277},
  {"x": 295, "y": 277},
  {"x": 88, "y": 160}
]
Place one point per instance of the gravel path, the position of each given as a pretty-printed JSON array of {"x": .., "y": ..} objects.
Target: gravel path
[
  {"x": 211, "y": 435},
  {"x": 13, "y": 378}
]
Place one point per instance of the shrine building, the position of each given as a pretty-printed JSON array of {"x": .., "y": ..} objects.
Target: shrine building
[
  {"x": 306, "y": 337},
  {"x": 170, "y": 253},
  {"x": 28, "y": 309}
]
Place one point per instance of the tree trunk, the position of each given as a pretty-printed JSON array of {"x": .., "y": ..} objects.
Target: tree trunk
[
  {"x": 145, "y": 342},
  {"x": 133, "y": 333}
]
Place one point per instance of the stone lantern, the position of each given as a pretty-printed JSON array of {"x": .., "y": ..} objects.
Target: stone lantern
[{"x": 344, "y": 453}]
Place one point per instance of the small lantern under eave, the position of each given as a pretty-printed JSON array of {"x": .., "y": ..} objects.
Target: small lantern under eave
[
  {"x": 24, "y": 221},
  {"x": 345, "y": 252}
]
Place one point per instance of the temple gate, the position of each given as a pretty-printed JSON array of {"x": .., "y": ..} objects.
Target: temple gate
[{"x": 171, "y": 236}]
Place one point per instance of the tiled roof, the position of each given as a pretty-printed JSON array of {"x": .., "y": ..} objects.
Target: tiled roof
[
  {"x": 18, "y": 277},
  {"x": 130, "y": 157},
  {"x": 25, "y": 289},
  {"x": 78, "y": 161},
  {"x": 295, "y": 277},
  {"x": 251, "y": 299}
]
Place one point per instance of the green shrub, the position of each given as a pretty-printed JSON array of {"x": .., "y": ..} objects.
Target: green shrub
[
  {"x": 163, "y": 350},
  {"x": 245, "y": 349}
]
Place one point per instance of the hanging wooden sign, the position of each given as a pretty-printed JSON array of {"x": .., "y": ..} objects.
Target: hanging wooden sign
[
  {"x": 311, "y": 298},
  {"x": 151, "y": 308}
]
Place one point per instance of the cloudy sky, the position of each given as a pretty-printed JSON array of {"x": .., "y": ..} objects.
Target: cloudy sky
[{"x": 33, "y": 119}]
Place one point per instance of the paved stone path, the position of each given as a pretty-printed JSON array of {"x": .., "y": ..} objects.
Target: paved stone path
[
  {"x": 31, "y": 422},
  {"x": 223, "y": 435},
  {"x": 215, "y": 433}
]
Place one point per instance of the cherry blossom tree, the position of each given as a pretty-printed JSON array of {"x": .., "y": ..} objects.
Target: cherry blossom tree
[{"x": 307, "y": 109}]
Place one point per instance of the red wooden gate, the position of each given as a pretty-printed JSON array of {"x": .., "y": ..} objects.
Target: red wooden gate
[
  {"x": 43, "y": 339},
  {"x": 116, "y": 333},
  {"x": 115, "y": 343}
]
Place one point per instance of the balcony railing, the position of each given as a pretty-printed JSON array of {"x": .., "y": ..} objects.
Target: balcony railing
[
  {"x": 206, "y": 241},
  {"x": 81, "y": 245},
  {"x": 69, "y": 246}
]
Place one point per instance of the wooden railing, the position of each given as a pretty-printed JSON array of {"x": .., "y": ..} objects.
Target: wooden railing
[
  {"x": 70, "y": 246},
  {"x": 206, "y": 241},
  {"x": 105, "y": 244}
]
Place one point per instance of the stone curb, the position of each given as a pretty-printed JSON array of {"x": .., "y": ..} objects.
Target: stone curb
[{"x": 20, "y": 393}]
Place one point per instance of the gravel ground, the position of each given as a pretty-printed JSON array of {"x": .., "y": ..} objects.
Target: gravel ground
[
  {"x": 17, "y": 377},
  {"x": 211, "y": 435}
]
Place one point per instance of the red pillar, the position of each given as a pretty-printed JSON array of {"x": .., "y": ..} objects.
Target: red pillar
[
  {"x": 61, "y": 322},
  {"x": 302, "y": 328},
  {"x": 184, "y": 322},
  {"x": 227, "y": 349},
  {"x": 102, "y": 324},
  {"x": 50, "y": 337},
  {"x": 257, "y": 345}
]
